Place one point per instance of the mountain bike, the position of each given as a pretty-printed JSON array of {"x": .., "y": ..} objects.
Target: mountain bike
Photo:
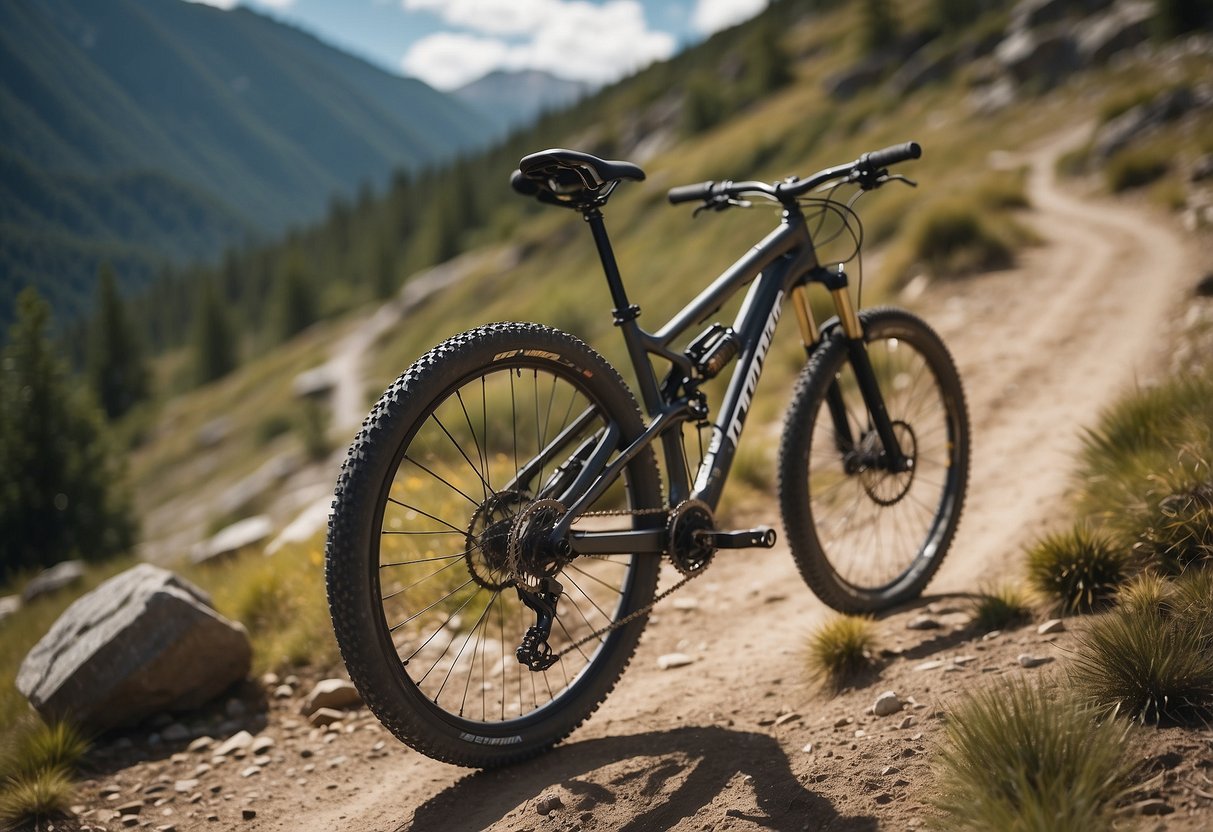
[{"x": 500, "y": 521}]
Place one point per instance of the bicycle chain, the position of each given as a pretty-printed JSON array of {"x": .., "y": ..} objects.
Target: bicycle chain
[{"x": 634, "y": 614}]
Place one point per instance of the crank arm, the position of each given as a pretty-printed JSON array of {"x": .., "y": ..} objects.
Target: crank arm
[{"x": 762, "y": 537}]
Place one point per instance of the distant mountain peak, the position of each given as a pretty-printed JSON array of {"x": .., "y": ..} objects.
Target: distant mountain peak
[{"x": 512, "y": 98}]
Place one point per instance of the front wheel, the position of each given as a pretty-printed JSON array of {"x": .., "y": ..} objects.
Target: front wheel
[
  {"x": 428, "y": 543},
  {"x": 866, "y": 537}
]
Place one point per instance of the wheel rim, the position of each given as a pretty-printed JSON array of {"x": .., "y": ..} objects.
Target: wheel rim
[
  {"x": 878, "y": 528},
  {"x": 449, "y": 611}
]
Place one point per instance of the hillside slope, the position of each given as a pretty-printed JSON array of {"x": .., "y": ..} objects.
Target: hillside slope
[{"x": 145, "y": 130}]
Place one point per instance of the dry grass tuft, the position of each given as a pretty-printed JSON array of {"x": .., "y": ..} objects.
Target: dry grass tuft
[
  {"x": 1079, "y": 570},
  {"x": 841, "y": 649}
]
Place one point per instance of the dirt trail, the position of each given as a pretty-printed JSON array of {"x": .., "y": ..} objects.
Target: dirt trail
[{"x": 1041, "y": 348}]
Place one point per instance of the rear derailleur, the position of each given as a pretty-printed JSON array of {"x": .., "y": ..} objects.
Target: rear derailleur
[{"x": 534, "y": 652}]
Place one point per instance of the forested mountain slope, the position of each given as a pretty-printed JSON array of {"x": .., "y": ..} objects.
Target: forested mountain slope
[{"x": 142, "y": 130}]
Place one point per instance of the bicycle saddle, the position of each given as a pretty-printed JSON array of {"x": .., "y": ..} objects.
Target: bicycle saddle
[{"x": 571, "y": 178}]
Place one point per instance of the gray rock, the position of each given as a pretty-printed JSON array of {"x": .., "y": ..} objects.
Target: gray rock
[
  {"x": 886, "y": 704},
  {"x": 325, "y": 717},
  {"x": 1053, "y": 625},
  {"x": 331, "y": 693},
  {"x": 990, "y": 98},
  {"x": 922, "y": 622},
  {"x": 846, "y": 83},
  {"x": 213, "y": 432},
  {"x": 143, "y": 642},
  {"x": 229, "y": 541},
  {"x": 9, "y": 604},
  {"x": 1202, "y": 169},
  {"x": 1028, "y": 14},
  {"x": 60, "y": 576},
  {"x": 672, "y": 660},
  {"x": 241, "y": 741},
  {"x": 1028, "y": 660},
  {"x": 1044, "y": 57},
  {"x": 1142, "y": 119},
  {"x": 317, "y": 383},
  {"x": 1121, "y": 28},
  {"x": 548, "y": 804}
]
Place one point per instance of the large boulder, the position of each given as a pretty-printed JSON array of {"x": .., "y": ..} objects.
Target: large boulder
[
  {"x": 144, "y": 642},
  {"x": 60, "y": 576}
]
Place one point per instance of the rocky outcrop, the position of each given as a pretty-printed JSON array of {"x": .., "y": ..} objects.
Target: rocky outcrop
[
  {"x": 60, "y": 576},
  {"x": 143, "y": 642},
  {"x": 1144, "y": 118},
  {"x": 1121, "y": 28},
  {"x": 231, "y": 539},
  {"x": 1044, "y": 57}
]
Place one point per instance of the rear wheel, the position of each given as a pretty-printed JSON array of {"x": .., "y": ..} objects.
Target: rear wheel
[
  {"x": 433, "y": 513},
  {"x": 864, "y": 537}
]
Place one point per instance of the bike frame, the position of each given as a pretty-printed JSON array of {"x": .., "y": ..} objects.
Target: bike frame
[{"x": 779, "y": 267}]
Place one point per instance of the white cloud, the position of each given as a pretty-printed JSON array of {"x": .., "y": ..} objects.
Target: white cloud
[
  {"x": 219, "y": 4},
  {"x": 573, "y": 39},
  {"x": 447, "y": 60},
  {"x": 276, "y": 4},
  {"x": 713, "y": 15},
  {"x": 497, "y": 17}
]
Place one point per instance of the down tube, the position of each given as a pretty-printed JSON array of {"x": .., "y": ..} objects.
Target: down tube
[{"x": 755, "y": 324}]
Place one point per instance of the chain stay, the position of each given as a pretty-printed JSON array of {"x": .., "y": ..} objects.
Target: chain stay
[{"x": 634, "y": 614}]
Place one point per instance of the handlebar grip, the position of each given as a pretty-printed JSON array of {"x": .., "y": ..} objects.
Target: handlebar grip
[
  {"x": 892, "y": 155},
  {"x": 690, "y": 193}
]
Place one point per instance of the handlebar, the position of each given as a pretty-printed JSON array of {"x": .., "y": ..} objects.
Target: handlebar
[{"x": 866, "y": 170}]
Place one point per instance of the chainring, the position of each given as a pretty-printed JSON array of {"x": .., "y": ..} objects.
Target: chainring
[{"x": 689, "y": 555}]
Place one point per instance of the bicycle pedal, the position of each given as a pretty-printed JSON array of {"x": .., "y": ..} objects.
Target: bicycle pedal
[{"x": 762, "y": 537}]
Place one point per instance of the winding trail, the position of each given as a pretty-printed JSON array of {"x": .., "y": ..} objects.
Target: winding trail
[{"x": 1042, "y": 349}]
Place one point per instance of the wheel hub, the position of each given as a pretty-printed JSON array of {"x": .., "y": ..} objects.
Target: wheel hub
[
  {"x": 883, "y": 486},
  {"x": 488, "y": 539},
  {"x": 532, "y": 555}
]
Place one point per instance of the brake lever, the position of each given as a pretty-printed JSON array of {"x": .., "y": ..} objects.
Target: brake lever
[
  {"x": 897, "y": 177},
  {"x": 720, "y": 203}
]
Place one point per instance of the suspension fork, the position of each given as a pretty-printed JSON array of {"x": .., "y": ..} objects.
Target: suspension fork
[{"x": 861, "y": 365}]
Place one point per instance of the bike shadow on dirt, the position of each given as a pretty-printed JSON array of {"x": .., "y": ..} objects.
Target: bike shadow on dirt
[{"x": 661, "y": 777}]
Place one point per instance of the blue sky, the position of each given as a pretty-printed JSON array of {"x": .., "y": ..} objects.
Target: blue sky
[{"x": 450, "y": 42}]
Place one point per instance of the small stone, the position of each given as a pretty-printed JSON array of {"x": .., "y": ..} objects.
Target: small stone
[
  {"x": 860, "y": 733},
  {"x": 332, "y": 694},
  {"x": 248, "y": 814},
  {"x": 886, "y": 704},
  {"x": 270, "y": 680},
  {"x": 786, "y": 718},
  {"x": 933, "y": 664},
  {"x": 963, "y": 660},
  {"x": 183, "y": 786},
  {"x": 262, "y": 760},
  {"x": 201, "y": 769},
  {"x": 990, "y": 636},
  {"x": 239, "y": 742},
  {"x": 1153, "y": 807},
  {"x": 261, "y": 745},
  {"x": 1053, "y": 625},
  {"x": 672, "y": 660},
  {"x": 843, "y": 722},
  {"x": 906, "y": 722},
  {"x": 129, "y": 820},
  {"x": 548, "y": 804},
  {"x": 1028, "y": 660},
  {"x": 887, "y": 770},
  {"x": 132, "y": 808},
  {"x": 175, "y": 733},
  {"x": 808, "y": 748},
  {"x": 283, "y": 692},
  {"x": 111, "y": 789},
  {"x": 686, "y": 604},
  {"x": 922, "y": 622},
  {"x": 325, "y": 717},
  {"x": 250, "y": 771}
]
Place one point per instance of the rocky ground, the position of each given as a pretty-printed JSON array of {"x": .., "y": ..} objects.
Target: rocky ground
[{"x": 736, "y": 737}]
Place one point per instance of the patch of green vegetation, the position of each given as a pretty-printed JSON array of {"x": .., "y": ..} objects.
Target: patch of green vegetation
[
  {"x": 1078, "y": 570},
  {"x": 1020, "y": 756},
  {"x": 33, "y": 798},
  {"x": 1136, "y": 166},
  {"x": 841, "y": 649},
  {"x": 1152, "y": 662},
  {"x": 1001, "y": 607}
]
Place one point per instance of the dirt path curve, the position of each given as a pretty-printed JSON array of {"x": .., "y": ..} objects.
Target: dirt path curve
[{"x": 1041, "y": 348}]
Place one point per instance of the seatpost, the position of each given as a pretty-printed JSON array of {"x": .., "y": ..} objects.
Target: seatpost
[{"x": 623, "y": 311}]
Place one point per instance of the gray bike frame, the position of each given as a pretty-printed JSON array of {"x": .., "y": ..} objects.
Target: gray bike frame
[{"x": 779, "y": 267}]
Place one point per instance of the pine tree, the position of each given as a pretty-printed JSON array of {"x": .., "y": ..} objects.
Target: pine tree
[
  {"x": 116, "y": 369},
  {"x": 214, "y": 349},
  {"x": 295, "y": 307},
  {"x": 59, "y": 485}
]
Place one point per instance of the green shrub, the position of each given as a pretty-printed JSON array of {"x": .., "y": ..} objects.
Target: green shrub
[
  {"x": 1149, "y": 664},
  {"x": 34, "y": 797},
  {"x": 1079, "y": 570},
  {"x": 1177, "y": 531},
  {"x": 1136, "y": 166},
  {"x": 840, "y": 649},
  {"x": 1000, "y": 608},
  {"x": 1017, "y": 757},
  {"x": 1144, "y": 593},
  {"x": 34, "y": 746}
]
